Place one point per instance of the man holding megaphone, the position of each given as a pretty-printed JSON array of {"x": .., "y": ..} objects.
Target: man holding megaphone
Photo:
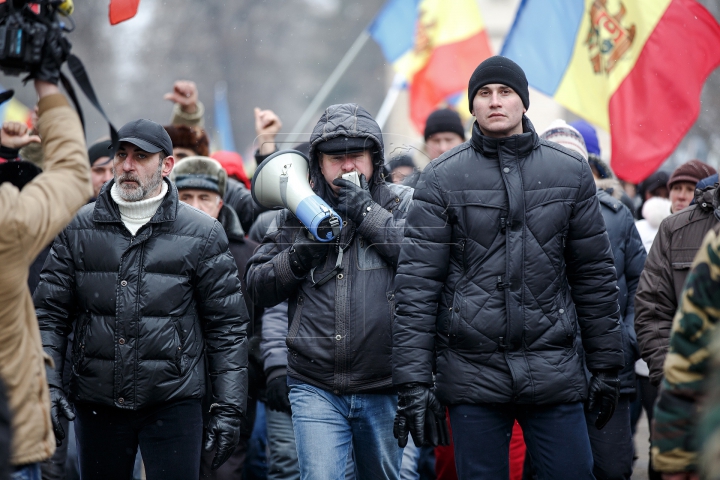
[{"x": 341, "y": 300}]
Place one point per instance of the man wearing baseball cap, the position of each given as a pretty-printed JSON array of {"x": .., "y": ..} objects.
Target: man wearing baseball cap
[
  {"x": 505, "y": 276},
  {"x": 150, "y": 290}
]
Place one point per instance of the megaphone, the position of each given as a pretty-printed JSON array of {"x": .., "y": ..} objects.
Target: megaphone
[{"x": 281, "y": 181}]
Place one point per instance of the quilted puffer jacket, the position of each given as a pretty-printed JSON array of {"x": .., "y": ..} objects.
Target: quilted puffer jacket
[
  {"x": 148, "y": 311},
  {"x": 505, "y": 257}
]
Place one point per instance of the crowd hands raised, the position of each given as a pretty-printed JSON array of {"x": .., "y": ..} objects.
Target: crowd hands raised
[{"x": 492, "y": 315}]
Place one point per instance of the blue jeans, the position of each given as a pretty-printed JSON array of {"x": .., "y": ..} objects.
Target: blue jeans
[
  {"x": 556, "y": 437},
  {"x": 30, "y": 471},
  {"x": 326, "y": 425}
]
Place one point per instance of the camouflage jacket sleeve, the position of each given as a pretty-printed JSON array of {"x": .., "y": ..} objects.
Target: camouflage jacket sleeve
[{"x": 674, "y": 443}]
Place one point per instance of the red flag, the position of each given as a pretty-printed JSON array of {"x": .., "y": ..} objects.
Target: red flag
[{"x": 121, "y": 10}]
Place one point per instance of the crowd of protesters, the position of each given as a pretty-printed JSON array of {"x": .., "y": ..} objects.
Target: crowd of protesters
[{"x": 506, "y": 312}]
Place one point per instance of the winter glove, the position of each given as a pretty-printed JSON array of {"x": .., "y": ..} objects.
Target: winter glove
[
  {"x": 222, "y": 433},
  {"x": 603, "y": 394},
  {"x": 420, "y": 414},
  {"x": 305, "y": 254},
  {"x": 59, "y": 406},
  {"x": 353, "y": 201},
  {"x": 276, "y": 393}
]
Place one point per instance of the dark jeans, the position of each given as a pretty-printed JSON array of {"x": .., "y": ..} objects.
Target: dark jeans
[
  {"x": 612, "y": 447},
  {"x": 556, "y": 437},
  {"x": 169, "y": 436}
]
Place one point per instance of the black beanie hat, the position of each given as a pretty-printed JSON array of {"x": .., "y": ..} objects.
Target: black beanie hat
[
  {"x": 100, "y": 149},
  {"x": 502, "y": 70},
  {"x": 444, "y": 120}
]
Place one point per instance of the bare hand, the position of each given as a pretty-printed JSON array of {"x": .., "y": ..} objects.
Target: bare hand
[
  {"x": 267, "y": 126},
  {"x": 681, "y": 476},
  {"x": 185, "y": 94},
  {"x": 15, "y": 135}
]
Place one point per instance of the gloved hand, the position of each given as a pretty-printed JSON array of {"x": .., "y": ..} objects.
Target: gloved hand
[
  {"x": 420, "y": 414},
  {"x": 354, "y": 201},
  {"x": 276, "y": 393},
  {"x": 305, "y": 254},
  {"x": 59, "y": 406},
  {"x": 603, "y": 393},
  {"x": 222, "y": 433},
  {"x": 54, "y": 53}
]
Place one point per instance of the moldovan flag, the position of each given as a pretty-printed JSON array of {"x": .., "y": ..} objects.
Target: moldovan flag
[
  {"x": 633, "y": 67},
  {"x": 435, "y": 45}
]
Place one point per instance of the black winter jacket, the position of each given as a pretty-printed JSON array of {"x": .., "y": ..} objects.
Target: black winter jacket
[
  {"x": 629, "y": 254},
  {"x": 340, "y": 333},
  {"x": 505, "y": 256},
  {"x": 148, "y": 311}
]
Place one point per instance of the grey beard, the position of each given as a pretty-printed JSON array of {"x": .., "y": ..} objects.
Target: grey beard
[{"x": 143, "y": 190}]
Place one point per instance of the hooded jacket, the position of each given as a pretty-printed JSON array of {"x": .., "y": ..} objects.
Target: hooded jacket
[
  {"x": 666, "y": 268},
  {"x": 148, "y": 311},
  {"x": 505, "y": 258},
  {"x": 339, "y": 336}
]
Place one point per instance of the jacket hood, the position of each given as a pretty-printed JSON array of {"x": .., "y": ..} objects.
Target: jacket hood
[
  {"x": 524, "y": 142},
  {"x": 345, "y": 120},
  {"x": 611, "y": 186}
]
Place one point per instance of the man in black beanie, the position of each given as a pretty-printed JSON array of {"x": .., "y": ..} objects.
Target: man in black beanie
[
  {"x": 443, "y": 131},
  {"x": 505, "y": 278},
  {"x": 101, "y": 166}
]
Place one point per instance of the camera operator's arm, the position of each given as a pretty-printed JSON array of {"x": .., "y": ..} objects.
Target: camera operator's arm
[
  {"x": 34, "y": 216},
  {"x": 188, "y": 110}
]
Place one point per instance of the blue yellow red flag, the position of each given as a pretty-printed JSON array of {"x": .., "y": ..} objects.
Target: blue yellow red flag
[
  {"x": 435, "y": 45},
  {"x": 633, "y": 67}
]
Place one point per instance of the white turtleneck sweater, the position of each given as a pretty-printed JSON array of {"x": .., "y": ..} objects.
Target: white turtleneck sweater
[{"x": 136, "y": 214}]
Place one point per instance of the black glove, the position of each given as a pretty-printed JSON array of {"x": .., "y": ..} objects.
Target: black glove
[
  {"x": 305, "y": 254},
  {"x": 603, "y": 394},
  {"x": 222, "y": 433},
  {"x": 353, "y": 201},
  {"x": 59, "y": 406},
  {"x": 276, "y": 394},
  {"x": 54, "y": 53},
  {"x": 420, "y": 414}
]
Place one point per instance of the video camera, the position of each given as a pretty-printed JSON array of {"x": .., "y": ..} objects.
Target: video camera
[
  {"x": 32, "y": 39},
  {"x": 32, "y": 42}
]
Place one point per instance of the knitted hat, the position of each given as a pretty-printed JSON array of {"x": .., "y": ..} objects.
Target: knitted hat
[
  {"x": 654, "y": 181},
  {"x": 589, "y": 134},
  {"x": 692, "y": 171},
  {"x": 565, "y": 135},
  {"x": 202, "y": 173},
  {"x": 99, "y": 150},
  {"x": 501, "y": 70},
  {"x": 444, "y": 120},
  {"x": 233, "y": 164},
  {"x": 192, "y": 138}
]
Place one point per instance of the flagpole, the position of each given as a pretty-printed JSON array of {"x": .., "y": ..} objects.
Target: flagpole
[
  {"x": 398, "y": 84},
  {"x": 327, "y": 87}
]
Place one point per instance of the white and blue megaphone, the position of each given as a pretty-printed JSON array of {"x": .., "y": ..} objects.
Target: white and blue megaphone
[{"x": 281, "y": 181}]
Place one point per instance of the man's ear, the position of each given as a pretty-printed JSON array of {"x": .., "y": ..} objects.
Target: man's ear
[{"x": 168, "y": 164}]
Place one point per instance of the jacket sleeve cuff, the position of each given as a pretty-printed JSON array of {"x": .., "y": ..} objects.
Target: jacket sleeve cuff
[
  {"x": 51, "y": 101},
  {"x": 374, "y": 222},
  {"x": 283, "y": 270},
  {"x": 274, "y": 373},
  {"x": 191, "y": 119}
]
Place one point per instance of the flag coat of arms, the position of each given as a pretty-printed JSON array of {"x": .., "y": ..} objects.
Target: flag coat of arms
[
  {"x": 435, "y": 45},
  {"x": 633, "y": 67}
]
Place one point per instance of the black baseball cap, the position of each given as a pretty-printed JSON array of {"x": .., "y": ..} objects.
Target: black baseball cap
[{"x": 146, "y": 135}]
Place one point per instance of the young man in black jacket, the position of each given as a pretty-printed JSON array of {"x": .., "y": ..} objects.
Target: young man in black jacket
[
  {"x": 152, "y": 294},
  {"x": 505, "y": 258},
  {"x": 340, "y": 302}
]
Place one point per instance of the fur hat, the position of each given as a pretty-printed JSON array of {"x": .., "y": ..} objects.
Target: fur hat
[
  {"x": 202, "y": 173},
  {"x": 192, "y": 138}
]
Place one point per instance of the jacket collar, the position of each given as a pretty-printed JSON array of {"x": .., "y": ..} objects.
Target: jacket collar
[
  {"x": 107, "y": 211},
  {"x": 231, "y": 223},
  {"x": 523, "y": 143}
]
